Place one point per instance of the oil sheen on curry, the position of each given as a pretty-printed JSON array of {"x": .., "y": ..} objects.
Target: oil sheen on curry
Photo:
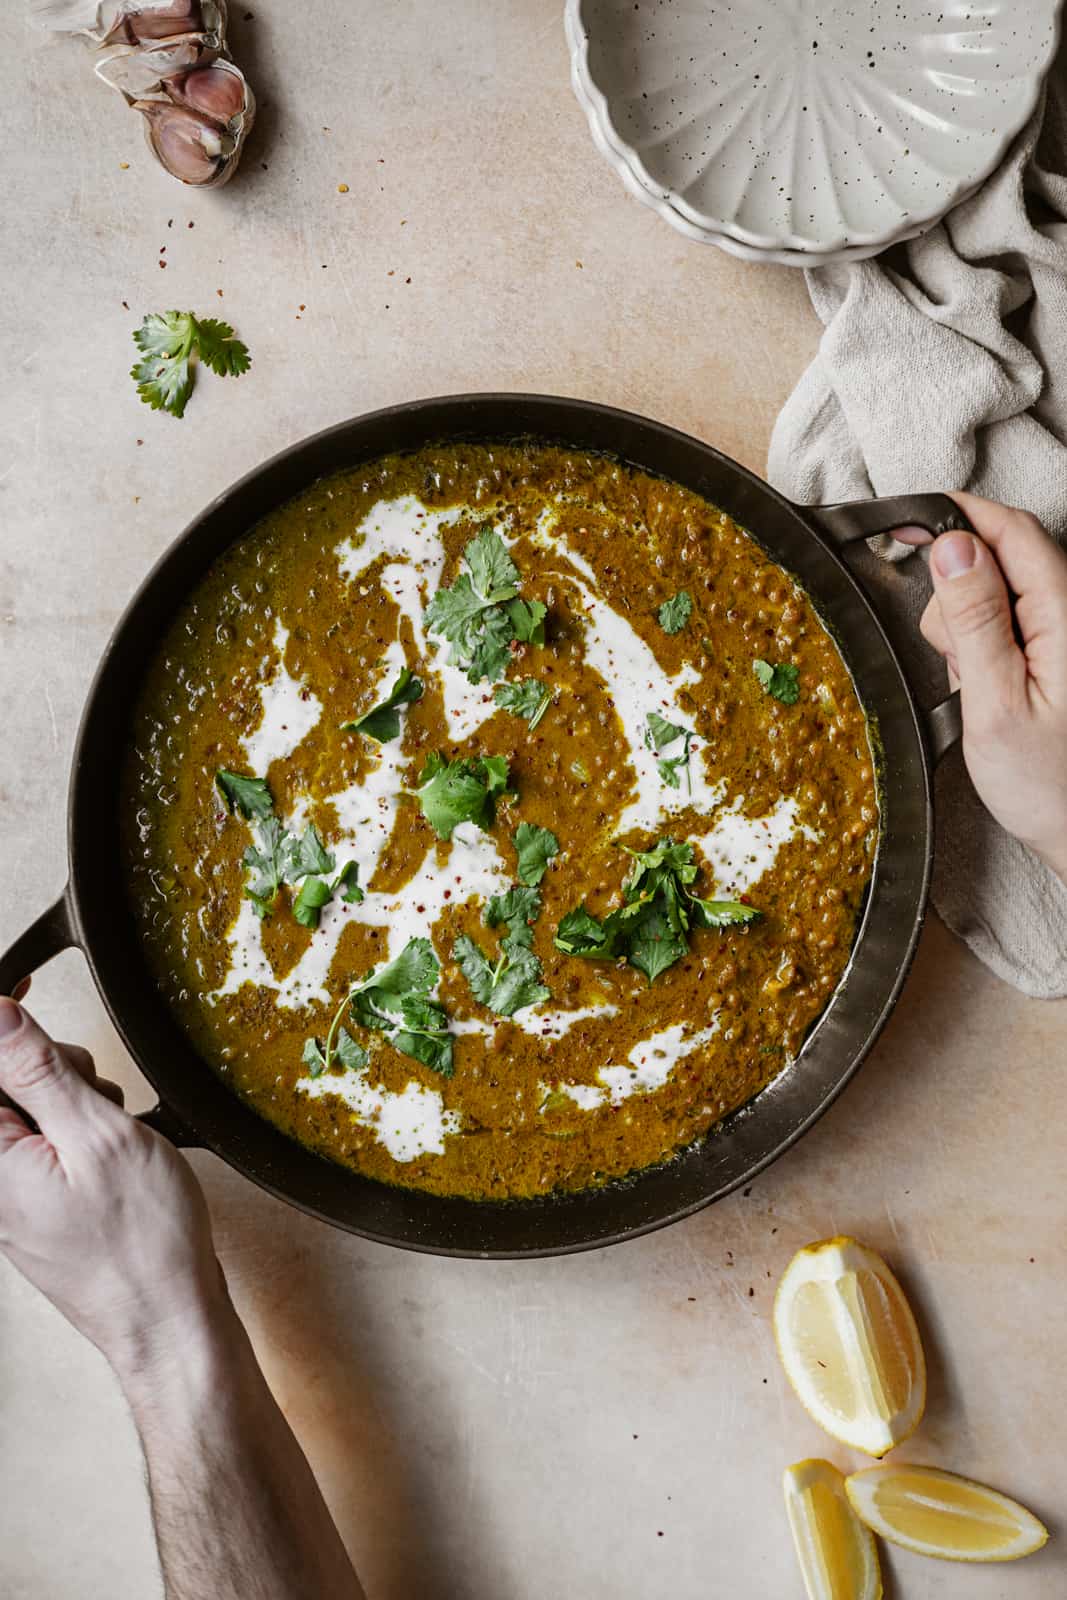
[{"x": 498, "y": 819}]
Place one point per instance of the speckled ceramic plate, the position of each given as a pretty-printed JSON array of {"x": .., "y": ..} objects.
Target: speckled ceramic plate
[{"x": 793, "y": 129}]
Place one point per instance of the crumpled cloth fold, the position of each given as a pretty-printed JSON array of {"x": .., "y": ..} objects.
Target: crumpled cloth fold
[{"x": 943, "y": 365}]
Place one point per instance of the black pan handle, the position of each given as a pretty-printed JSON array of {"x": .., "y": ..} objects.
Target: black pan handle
[
  {"x": 853, "y": 520},
  {"x": 56, "y": 930}
]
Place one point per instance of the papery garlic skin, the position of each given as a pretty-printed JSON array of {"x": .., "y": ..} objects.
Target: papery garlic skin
[
  {"x": 132, "y": 21},
  {"x": 135, "y": 72}
]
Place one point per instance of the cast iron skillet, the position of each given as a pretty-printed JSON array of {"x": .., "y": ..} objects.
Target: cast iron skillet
[{"x": 195, "y": 1107}]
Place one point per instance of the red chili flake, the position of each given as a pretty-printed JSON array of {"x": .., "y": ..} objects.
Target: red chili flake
[
  {"x": 140, "y": 441},
  {"x": 421, "y": 910},
  {"x": 191, "y": 224},
  {"x": 162, "y": 262},
  {"x": 447, "y": 894}
]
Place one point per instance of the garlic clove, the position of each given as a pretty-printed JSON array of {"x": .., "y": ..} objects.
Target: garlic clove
[
  {"x": 143, "y": 21},
  {"x": 219, "y": 91},
  {"x": 189, "y": 146}
]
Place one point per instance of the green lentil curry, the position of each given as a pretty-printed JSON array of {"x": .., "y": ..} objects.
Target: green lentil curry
[{"x": 654, "y": 602}]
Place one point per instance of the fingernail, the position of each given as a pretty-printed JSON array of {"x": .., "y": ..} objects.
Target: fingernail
[
  {"x": 954, "y": 554},
  {"x": 10, "y": 1016}
]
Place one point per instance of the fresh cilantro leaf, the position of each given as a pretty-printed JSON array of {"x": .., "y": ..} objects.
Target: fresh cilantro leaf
[
  {"x": 493, "y": 573},
  {"x": 652, "y": 866},
  {"x": 314, "y": 894},
  {"x": 264, "y": 861},
  {"x": 424, "y": 1035},
  {"x": 510, "y": 986},
  {"x": 527, "y": 698},
  {"x": 351, "y": 1055},
  {"x": 415, "y": 971},
  {"x": 580, "y": 934},
  {"x": 348, "y": 881},
  {"x": 781, "y": 682},
  {"x": 654, "y": 945},
  {"x": 661, "y": 733},
  {"x": 669, "y": 770},
  {"x": 305, "y": 854},
  {"x": 452, "y": 611},
  {"x": 481, "y": 615},
  {"x": 394, "y": 1000},
  {"x": 490, "y": 652},
  {"x": 313, "y": 1058},
  {"x": 527, "y": 618},
  {"x": 249, "y": 796},
  {"x": 536, "y": 847},
  {"x": 721, "y": 913},
  {"x": 451, "y": 792},
  {"x": 169, "y": 342},
  {"x": 650, "y": 929},
  {"x": 383, "y": 723},
  {"x": 517, "y": 910},
  {"x": 219, "y": 348},
  {"x": 673, "y": 614}
]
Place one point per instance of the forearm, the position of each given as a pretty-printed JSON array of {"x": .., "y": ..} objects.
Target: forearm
[{"x": 238, "y": 1514}]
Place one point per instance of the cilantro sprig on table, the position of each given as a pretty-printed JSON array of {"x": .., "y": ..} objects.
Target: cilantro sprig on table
[
  {"x": 278, "y": 856},
  {"x": 393, "y": 1000},
  {"x": 382, "y": 724},
  {"x": 781, "y": 682},
  {"x": 171, "y": 343},
  {"x": 661, "y": 735},
  {"x": 482, "y": 614},
  {"x": 650, "y": 929}
]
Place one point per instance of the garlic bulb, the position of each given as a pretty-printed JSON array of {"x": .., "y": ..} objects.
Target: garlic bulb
[{"x": 168, "y": 58}]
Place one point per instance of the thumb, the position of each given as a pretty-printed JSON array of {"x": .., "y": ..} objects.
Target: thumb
[
  {"x": 976, "y": 611},
  {"x": 40, "y": 1080}
]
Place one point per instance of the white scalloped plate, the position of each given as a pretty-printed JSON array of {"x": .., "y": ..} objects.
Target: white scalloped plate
[{"x": 807, "y": 130}]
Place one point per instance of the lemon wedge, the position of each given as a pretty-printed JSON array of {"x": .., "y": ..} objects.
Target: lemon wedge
[
  {"x": 837, "y": 1554},
  {"x": 936, "y": 1513},
  {"x": 849, "y": 1345}
]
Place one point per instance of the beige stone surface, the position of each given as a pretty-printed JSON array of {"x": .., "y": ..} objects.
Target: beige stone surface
[{"x": 600, "y": 1426}]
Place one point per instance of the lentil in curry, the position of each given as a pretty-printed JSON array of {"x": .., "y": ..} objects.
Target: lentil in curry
[{"x": 569, "y": 661}]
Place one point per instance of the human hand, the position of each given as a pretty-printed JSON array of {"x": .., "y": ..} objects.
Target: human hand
[
  {"x": 96, "y": 1210},
  {"x": 1013, "y": 695}
]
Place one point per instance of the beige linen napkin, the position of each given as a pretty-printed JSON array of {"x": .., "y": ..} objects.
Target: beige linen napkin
[{"x": 943, "y": 365}]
